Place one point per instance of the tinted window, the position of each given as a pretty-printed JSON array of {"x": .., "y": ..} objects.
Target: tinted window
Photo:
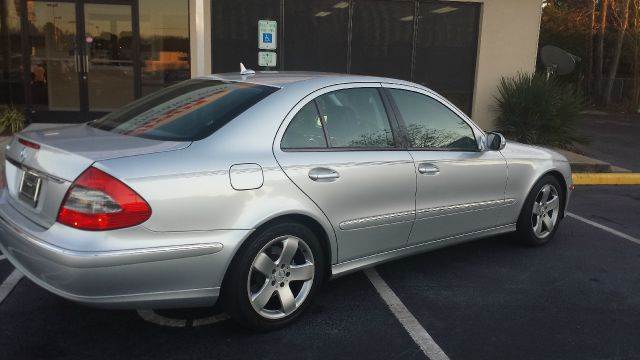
[
  {"x": 355, "y": 118},
  {"x": 305, "y": 130},
  {"x": 315, "y": 35},
  {"x": 430, "y": 124},
  {"x": 382, "y": 36},
  {"x": 189, "y": 111},
  {"x": 164, "y": 43},
  {"x": 235, "y": 32}
]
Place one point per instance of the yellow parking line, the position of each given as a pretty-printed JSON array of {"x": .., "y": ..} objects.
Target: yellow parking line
[{"x": 606, "y": 178}]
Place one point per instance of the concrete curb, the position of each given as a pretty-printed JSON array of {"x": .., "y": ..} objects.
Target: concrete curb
[{"x": 606, "y": 178}]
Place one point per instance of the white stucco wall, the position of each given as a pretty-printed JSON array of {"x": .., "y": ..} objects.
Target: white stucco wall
[
  {"x": 508, "y": 44},
  {"x": 200, "y": 37}
]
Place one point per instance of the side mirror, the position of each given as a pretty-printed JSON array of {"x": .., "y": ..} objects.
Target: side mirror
[{"x": 495, "y": 141}]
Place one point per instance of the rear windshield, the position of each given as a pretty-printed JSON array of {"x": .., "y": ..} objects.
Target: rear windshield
[{"x": 188, "y": 111}]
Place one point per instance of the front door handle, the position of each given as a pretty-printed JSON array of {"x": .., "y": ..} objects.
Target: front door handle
[
  {"x": 323, "y": 174},
  {"x": 428, "y": 169}
]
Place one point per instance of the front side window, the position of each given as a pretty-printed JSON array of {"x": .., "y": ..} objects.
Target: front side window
[
  {"x": 188, "y": 111},
  {"x": 431, "y": 125},
  {"x": 355, "y": 118}
]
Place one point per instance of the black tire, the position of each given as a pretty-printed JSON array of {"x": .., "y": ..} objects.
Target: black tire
[
  {"x": 524, "y": 227},
  {"x": 235, "y": 293}
]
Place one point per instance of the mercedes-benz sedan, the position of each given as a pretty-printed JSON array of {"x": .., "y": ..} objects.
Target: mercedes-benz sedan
[{"x": 256, "y": 188}]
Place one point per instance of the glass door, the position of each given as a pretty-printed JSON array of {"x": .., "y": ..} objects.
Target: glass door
[
  {"x": 52, "y": 79},
  {"x": 109, "y": 55},
  {"x": 81, "y": 57}
]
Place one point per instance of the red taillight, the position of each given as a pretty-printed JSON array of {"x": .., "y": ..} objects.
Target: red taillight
[
  {"x": 98, "y": 201},
  {"x": 28, "y": 143}
]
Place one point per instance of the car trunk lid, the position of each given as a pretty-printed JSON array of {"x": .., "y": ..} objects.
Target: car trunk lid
[{"x": 41, "y": 167}]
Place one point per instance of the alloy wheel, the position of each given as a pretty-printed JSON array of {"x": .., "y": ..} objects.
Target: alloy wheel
[
  {"x": 546, "y": 207},
  {"x": 281, "y": 277}
]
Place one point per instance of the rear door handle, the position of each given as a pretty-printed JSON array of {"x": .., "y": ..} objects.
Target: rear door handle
[
  {"x": 323, "y": 174},
  {"x": 428, "y": 169}
]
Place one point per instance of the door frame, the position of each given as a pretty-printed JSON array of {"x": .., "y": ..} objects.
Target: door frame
[{"x": 82, "y": 114}]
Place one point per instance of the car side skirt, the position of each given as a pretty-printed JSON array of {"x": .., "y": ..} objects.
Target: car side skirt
[{"x": 350, "y": 266}]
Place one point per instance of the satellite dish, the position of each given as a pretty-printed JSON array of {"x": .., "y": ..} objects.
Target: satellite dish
[{"x": 560, "y": 61}]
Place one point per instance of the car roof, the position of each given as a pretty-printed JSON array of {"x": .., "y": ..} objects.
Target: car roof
[{"x": 284, "y": 79}]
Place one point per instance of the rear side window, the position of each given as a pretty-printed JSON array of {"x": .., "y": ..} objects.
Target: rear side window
[
  {"x": 431, "y": 125},
  {"x": 188, "y": 111},
  {"x": 305, "y": 130},
  {"x": 355, "y": 118}
]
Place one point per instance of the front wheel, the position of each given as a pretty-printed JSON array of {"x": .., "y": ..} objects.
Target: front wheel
[
  {"x": 273, "y": 277},
  {"x": 541, "y": 212}
]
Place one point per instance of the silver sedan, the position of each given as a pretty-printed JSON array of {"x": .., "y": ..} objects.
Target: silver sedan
[{"x": 256, "y": 188}]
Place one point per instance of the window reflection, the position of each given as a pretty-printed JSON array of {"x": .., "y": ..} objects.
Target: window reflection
[
  {"x": 446, "y": 50},
  {"x": 235, "y": 29},
  {"x": 382, "y": 35},
  {"x": 11, "y": 91},
  {"x": 109, "y": 47},
  {"x": 53, "y": 74},
  {"x": 188, "y": 111},
  {"x": 305, "y": 130},
  {"x": 355, "y": 118},
  {"x": 325, "y": 49},
  {"x": 431, "y": 125},
  {"x": 164, "y": 43}
]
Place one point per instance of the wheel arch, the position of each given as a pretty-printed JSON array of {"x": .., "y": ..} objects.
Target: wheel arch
[
  {"x": 326, "y": 237},
  {"x": 314, "y": 225},
  {"x": 563, "y": 183}
]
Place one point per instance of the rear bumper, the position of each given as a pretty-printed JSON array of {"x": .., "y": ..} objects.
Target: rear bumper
[{"x": 185, "y": 270}]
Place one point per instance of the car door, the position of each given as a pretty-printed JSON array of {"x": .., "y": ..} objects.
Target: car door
[
  {"x": 460, "y": 186},
  {"x": 340, "y": 147}
]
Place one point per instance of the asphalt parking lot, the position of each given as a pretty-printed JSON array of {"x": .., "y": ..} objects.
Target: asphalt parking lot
[{"x": 577, "y": 298}]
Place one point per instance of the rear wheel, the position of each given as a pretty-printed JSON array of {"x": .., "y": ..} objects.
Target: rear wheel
[
  {"x": 274, "y": 276},
  {"x": 541, "y": 213}
]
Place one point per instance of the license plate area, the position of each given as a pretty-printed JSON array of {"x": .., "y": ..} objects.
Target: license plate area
[{"x": 30, "y": 187}]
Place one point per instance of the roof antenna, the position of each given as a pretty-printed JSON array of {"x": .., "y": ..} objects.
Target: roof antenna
[{"x": 245, "y": 71}]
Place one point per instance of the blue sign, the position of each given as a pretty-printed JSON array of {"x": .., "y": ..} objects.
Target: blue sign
[{"x": 267, "y": 38}]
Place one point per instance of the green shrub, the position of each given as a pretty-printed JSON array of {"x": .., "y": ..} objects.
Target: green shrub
[
  {"x": 535, "y": 110},
  {"x": 11, "y": 120}
]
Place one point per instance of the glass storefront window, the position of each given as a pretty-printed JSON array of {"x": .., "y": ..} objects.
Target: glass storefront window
[
  {"x": 108, "y": 42},
  {"x": 313, "y": 50},
  {"x": 164, "y": 43},
  {"x": 382, "y": 37},
  {"x": 11, "y": 75},
  {"x": 53, "y": 70},
  {"x": 429, "y": 42},
  {"x": 235, "y": 31},
  {"x": 76, "y": 60},
  {"x": 446, "y": 46}
]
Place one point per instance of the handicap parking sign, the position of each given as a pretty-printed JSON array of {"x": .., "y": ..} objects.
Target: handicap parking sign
[{"x": 267, "y": 34}]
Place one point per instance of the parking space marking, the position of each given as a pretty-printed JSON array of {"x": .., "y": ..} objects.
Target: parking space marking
[
  {"x": 9, "y": 284},
  {"x": 419, "y": 335},
  {"x": 605, "y": 228}
]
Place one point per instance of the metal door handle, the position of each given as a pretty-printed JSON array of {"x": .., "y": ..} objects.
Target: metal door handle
[
  {"x": 428, "y": 169},
  {"x": 323, "y": 174}
]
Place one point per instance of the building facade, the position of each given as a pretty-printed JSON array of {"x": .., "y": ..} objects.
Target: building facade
[{"x": 66, "y": 61}]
